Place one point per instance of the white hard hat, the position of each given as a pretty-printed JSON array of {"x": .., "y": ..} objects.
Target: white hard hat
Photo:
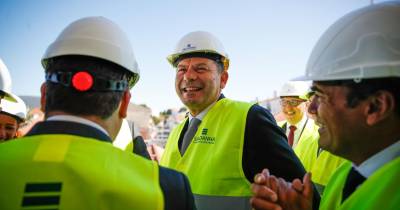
[
  {"x": 295, "y": 88},
  {"x": 363, "y": 44},
  {"x": 15, "y": 109},
  {"x": 97, "y": 37},
  {"x": 5, "y": 82},
  {"x": 199, "y": 42}
]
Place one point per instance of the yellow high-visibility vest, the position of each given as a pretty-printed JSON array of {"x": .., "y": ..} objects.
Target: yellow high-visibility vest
[
  {"x": 378, "y": 191},
  {"x": 213, "y": 160},
  {"x": 72, "y": 172}
]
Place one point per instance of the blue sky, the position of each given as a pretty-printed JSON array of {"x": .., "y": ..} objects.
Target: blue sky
[{"x": 268, "y": 41}]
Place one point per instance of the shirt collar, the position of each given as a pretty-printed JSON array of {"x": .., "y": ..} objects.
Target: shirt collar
[
  {"x": 369, "y": 166},
  {"x": 203, "y": 113},
  {"x": 70, "y": 118}
]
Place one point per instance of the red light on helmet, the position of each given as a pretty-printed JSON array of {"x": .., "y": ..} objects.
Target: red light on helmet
[{"x": 82, "y": 81}]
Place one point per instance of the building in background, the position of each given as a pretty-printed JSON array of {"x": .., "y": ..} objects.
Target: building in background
[{"x": 140, "y": 115}]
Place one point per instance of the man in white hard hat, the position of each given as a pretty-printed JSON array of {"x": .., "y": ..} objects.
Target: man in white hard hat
[
  {"x": 12, "y": 108},
  {"x": 296, "y": 124},
  {"x": 302, "y": 133},
  {"x": 12, "y": 114},
  {"x": 226, "y": 142},
  {"x": 68, "y": 161},
  {"x": 355, "y": 68}
]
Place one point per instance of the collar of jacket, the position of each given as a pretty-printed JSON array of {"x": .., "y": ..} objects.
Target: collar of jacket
[{"x": 68, "y": 128}]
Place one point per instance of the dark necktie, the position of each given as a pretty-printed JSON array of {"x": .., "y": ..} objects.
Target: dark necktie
[
  {"x": 187, "y": 138},
  {"x": 354, "y": 179},
  {"x": 292, "y": 128}
]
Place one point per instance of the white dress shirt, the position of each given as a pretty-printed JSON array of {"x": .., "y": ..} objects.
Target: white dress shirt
[
  {"x": 299, "y": 129},
  {"x": 70, "y": 118}
]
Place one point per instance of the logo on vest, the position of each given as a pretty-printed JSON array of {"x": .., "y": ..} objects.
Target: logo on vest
[{"x": 204, "y": 138}]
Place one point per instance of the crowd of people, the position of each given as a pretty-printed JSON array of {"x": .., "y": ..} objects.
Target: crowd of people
[{"x": 337, "y": 148}]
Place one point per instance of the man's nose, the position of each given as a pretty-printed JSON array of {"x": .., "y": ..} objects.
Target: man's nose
[
  {"x": 190, "y": 74},
  {"x": 287, "y": 107},
  {"x": 313, "y": 107}
]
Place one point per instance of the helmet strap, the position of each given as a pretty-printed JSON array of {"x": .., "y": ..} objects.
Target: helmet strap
[{"x": 83, "y": 81}]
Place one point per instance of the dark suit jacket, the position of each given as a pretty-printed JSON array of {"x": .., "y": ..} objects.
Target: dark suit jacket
[
  {"x": 265, "y": 146},
  {"x": 175, "y": 185},
  {"x": 140, "y": 148}
]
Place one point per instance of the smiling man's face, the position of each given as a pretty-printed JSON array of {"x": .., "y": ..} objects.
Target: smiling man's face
[
  {"x": 293, "y": 109},
  {"x": 8, "y": 127},
  {"x": 342, "y": 128},
  {"x": 198, "y": 83}
]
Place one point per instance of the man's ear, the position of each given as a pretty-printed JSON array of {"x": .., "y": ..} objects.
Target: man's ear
[
  {"x": 43, "y": 97},
  {"x": 224, "y": 79},
  {"x": 18, "y": 134},
  {"x": 123, "y": 109},
  {"x": 380, "y": 106}
]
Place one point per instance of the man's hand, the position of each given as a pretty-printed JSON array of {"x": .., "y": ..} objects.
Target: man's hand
[
  {"x": 155, "y": 152},
  {"x": 275, "y": 193},
  {"x": 265, "y": 191}
]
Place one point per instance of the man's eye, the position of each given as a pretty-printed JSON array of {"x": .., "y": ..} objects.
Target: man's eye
[
  {"x": 10, "y": 128},
  {"x": 201, "y": 69},
  {"x": 318, "y": 96}
]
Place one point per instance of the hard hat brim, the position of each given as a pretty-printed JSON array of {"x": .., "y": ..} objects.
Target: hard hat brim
[
  {"x": 173, "y": 57},
  {"x": 8, "y": 96},
  {"x": 357, "y": 73},
  {"x": 14, "y": 106}
]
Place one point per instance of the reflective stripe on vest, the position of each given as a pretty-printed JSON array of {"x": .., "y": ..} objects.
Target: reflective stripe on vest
[
  {"x": 221, "y": 202},
  {"x": 213, "y": 160},
  {"x": 71, "y": 172},
  {"x": 379, "y": 191}
]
